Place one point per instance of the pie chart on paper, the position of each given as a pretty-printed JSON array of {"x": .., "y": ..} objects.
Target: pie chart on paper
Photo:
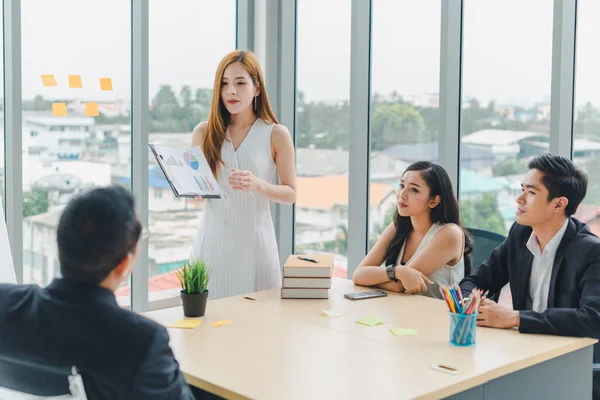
[{"x": 191, "y": 161}]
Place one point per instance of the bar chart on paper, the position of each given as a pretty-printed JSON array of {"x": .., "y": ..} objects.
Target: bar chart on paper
[{"x": 204, "y": 183}]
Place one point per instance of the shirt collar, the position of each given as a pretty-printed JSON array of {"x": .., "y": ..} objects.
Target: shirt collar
[{"x": 534, "y": 246}]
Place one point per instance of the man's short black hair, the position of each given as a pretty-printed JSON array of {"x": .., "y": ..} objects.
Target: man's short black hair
[
  {"x": 562, "y": 179},
  {"x": 96, "y": 231}
]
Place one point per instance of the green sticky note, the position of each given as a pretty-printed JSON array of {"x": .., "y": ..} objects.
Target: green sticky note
[
  {"x": 333, "y": 313},
  {"x": 403, "y": 331},
  {"x": 370, "y": 321}
]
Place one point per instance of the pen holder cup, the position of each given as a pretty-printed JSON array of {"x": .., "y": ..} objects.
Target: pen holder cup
[{"x": 462, "y": 329}]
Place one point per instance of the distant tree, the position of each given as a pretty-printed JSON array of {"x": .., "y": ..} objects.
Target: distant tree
[
  {"x": 186, "y": 96},
  {"x": 34, "y": 203},
  {"x": 340, "y": 244},
  {"x": 592, "y": 196},
  {"x": 510, "y": 166},
  {"x": 379, "y": 228},
  {"x": 475, "y": 117},
  {"x": 203, "y": 97},
  {"x": 482, "y": 214},
  {"x": 38, "y": 104},
  {"x": 397, "y": 122},
  {"x": 164, "y": 105},
  {"x": 323, "y": 125},
  {"x": 119, "y": 119},
  {"x": 587, "y": 122}
]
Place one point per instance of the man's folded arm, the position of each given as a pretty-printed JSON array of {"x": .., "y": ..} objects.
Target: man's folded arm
[{"x": 581, "y": 321}]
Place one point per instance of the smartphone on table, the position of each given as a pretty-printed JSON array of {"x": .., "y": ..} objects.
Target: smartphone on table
[{"x": 365, "y": 295}]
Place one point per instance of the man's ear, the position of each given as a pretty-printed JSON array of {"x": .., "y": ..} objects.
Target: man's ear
[
  {"x": 561, "y": 204},
  {"x": 122, "y": 269}
]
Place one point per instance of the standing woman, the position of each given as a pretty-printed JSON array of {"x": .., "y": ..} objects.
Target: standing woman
[{"x": 244, "y": 145}]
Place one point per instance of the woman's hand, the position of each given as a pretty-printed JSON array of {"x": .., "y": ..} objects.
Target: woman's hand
[
  {"x": 414, "y": 281},
  {"x": 196, "y": 200},
  {"x": 244, "y": 180}
]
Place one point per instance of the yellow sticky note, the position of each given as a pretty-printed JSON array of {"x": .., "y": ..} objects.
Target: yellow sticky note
[
  {"x": 48, "y": 80},
  {"x": 370, "y": 321},
  {"x": 75, "y": 81},
  {"x": 91, "y": 109},
  {"x": 403, "y": 331},
  {"x": 106, "y": 84},
  {"x": 186, "y": 323},
  {"x": 333, "y": 313},
  {"x": 220, "y": 323},
  {"x": 59, "y": 109}
]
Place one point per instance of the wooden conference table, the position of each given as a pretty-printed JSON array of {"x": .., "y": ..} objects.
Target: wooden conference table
[{"x": 288, "y": 349}]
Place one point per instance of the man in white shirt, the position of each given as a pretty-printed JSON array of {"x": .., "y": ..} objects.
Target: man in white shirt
[
  {"x": 550, "y": 259},
  {"x": 541, "y": 268}
]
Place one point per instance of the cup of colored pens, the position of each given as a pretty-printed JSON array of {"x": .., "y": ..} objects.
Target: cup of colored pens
[{"x": 463, "y": 315}]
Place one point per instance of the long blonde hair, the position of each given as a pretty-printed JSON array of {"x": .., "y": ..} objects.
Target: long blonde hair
[{"x": 218, "y": 117}]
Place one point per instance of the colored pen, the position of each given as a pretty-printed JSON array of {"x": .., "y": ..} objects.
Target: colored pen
[{"x": 307, "y": 259}]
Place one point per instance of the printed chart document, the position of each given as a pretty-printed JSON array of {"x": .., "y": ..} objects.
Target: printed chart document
[{"x": 187, "y": 171}]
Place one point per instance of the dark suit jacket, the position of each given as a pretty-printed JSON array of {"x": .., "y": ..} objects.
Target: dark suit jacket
[
  {"x": 121, "y": 355},
  {"x": 574, "y": 294}
]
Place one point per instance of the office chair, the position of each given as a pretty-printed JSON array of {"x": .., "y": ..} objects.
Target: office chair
[
  {"x": 484, "y": 242},
  {"x": 22, "y": 379}
]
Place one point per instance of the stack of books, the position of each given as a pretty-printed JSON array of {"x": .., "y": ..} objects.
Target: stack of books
[{"x": 307, "y": 276}]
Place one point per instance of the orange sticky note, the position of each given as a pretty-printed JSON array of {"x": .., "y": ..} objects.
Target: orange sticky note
[
  {"x": 75, "y": 81},
  {"x": 106, "y": 84},
  {"x": 59, "y": 109},
  {"x": 220, "y": 323},
  {"x": 48, "y": 80},
  {"x": 91, "y": 109}
]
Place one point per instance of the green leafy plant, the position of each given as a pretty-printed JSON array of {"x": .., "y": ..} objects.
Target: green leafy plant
[{"x": 194, "y": 276}]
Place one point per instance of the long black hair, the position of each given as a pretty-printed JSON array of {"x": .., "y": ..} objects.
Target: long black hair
[{"x": 447, "y": 211}]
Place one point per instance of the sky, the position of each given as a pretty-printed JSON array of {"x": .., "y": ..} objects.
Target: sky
[{"x": 506, "y": 50}]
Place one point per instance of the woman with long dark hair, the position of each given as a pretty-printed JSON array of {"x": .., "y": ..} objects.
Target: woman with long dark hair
[{"x": 425, "y": 246}]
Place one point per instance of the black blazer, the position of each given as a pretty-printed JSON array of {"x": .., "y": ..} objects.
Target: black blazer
[
  {"x": 121, "y": 355},
  {"x": 574, "y": 294}
]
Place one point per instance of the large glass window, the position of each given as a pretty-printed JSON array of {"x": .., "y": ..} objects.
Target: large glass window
[
  {"x": 404, "y": 98},
  {"x": 2, "y": 136},
  {"x": 76, "y": 114},
  {"x": 586, "y": 142},
  {"x": 507, "y": 62},
  {"x": 322, "y": 119},
  {"x": 187, "y": 41}
]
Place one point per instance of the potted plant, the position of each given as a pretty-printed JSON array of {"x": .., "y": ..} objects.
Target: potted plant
[{"x": 194, "y": 276}]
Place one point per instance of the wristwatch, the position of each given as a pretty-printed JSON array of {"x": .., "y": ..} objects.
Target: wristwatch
[{"x": 391, "y": 274}]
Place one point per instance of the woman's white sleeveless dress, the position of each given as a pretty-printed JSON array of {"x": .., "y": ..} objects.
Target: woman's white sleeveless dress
[{"x": 236, "y": 236}]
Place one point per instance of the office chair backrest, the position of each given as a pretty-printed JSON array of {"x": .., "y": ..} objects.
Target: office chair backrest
[
  {"x": 484, "y": 242},
  {"x": 28, "y": 377}
]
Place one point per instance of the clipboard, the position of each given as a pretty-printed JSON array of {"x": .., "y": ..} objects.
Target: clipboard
[{"x": 186, "y": 171}]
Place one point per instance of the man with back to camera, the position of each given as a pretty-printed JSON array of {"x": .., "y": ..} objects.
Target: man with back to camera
[
  {"x": 76, "y": 319},
  {"x": 550, "y": 259}
]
